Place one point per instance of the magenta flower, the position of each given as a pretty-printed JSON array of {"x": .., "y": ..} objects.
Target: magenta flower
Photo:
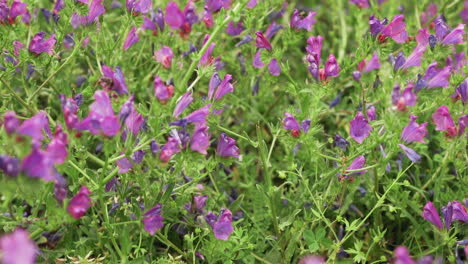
[
  {"x": 311, "y": 259},
  {"x": 429, "y": 14},
  {"x": 314, "y": 48},
  {"x": 134, "y": 121},
  {"x": 464, "y": 12},
  {"x": 372, "y": 64},
  {"x": 396, "y": 29},
  {"x": 359, "y": 128},
  {"x": 9, "y": 165},
  {"x": 101, "y": 119},
  {"x": 290, "y": 123},
  {"x": 459, "y": 212},
  {"x": 251, "y": 4},
  {"x": 38, "y": 164},
  {"x": 174, "y": 16},
  {"x": 402, "y": 256},
  {"x": 200, "y": 140},
  {"x": 9, "y": 15},
  {"x": 414, "y": 131},
  {"x": 223, "y": 228},
  {"x": 410, "y": 153},
  {"x": 69, "y": 109},
  {"x": 224, "y": 87},
  {"x": 125, "y": 164},
  {"x": 10, "y": 122},
  {"x": 172, "y": 146},
  {"x": 198, "y": 116},
  {"x": 360, "y": 3},
  {"x": 235, "y": 29},
  {"x": 17, "y": 46},
  {"x": 227, "y": 147},
  {"x": 443, "y": 121},
  {"x": 132, "y": 38},
  {"x": 183, "y": 102},
  {"x": 216, "y": 5},
  {"x": 35, "y": 126},
  {"x": 298, "y": 22},
  {"x": 257, "y": 61},
  {"x": 356, "y": 164},
  {"x": 96, "y": 9},
  {"x": 430, "y": 214},
  {"x": 152, "y": 220},
  {"x": 376, "y": 26},
  {"x": 332, "y": 69},
  {"x": 415, "y": 58},
  {"x": 57, "y": 149},
  {"x": 206, "y": 58},
  {"x": 80, "y": 203},
  {"x": 164, "y": 56},
  {"x": 274, "y": 68},
  {"x": 162, "y": 91},
  {"x": 18, "y": 248},
  {"x": 262, "y": 41},
  {"x": 113, "y": 80},
  {"x": 39, "y": 44}
]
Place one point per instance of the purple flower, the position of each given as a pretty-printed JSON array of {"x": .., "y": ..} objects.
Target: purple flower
[
  {"x": 142, "y": 6},
  {"x": 117, "y": 80},
  {"x": 340, "y": 142},
  {"x": 429, "y": 14},
  {"x": 227, "y": 147},
  {"x": 9, "y": 165},
  {"x": 396, "y": 29},
  {"x": 10, "y": 122},
  {"x": 462, "y": 123},
  {"x": 224, "y": 87},
  {"x": 414, "y": 131},
  {"x": 441, "y": 79},
  {"x": 305, "y": 125},
  {"x": 38, "y": 165},
  {"x": 200, "y": 140},
  {"x": 402, "y": 256},
  {"x": 234, "y": 29},
  {"x": 464, "y": 12},
  {"x": 132, "y": 38},
  {"x": 422, "y": 38},
  {"x": 198, "y": 116},
  {"x": 407, "y": 98},
  {"x": 376, "y": 26},
  {"x": 290, "y": 123},
  {"x": 372, "y": 64},
  {"x": 164, "y": 56},
  {"x": 443, "y": 121},
  {"x": 414, "y": 59},
  {"x": 206, "y": 58},
  {"x": 222, "y": 228},
  {"x": 101, "y": 119},
  {"x": 134, "y": 121},
  {"x": 174, "y": 16},
  {"x": 371, "y": 113},
  {"x": 246, "y": 39},
  {"x": 332, "y": 69},
  {"x": 359, "y": 128},
  {"x": 272, "y": 29},
  {"x": 455, "y": 36},
  {"x": 358, "y": 163},
  {"x": 80, "y": 203},
  {"x": 274, "y": 68},
  {"x": 430, "y": 214},
  {"x": 17, "y": 247},
  {"x": 125, "y": 164},
  {"x": 410, "y": 153},
  {"x": 459, "y": 212},
  {"x": 199, "y": 203},
  {"x": 257, "y": 61},
  {"x": 35, "y": 126},
  {"x": 314, "y": 48},
  {"x": 251, "y": 4},
  {"x": 183, "y": 102},
  {"x": 96, "y": 9},
  {"x": 17, "y": 46},
  {"x": 39, "y": 44},
  {"x": 216, "y": 5},
  {"x": 69, "y": 109},
  {"x": 262, "y": 42},
  {"x": 162, "y": 91},
  {"x": 171, "y": 147},
  {"x": 154, "y": 147},
  {"x": 297, "y": 21},
  {"x": 215, "y": 81},
  {"x": 152, "y": 220}
]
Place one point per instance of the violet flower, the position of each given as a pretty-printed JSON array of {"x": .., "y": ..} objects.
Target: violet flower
[
  {"x": 455, "y": 36},
  {"x": 430, "y": 13},
  {"x": 40, "y": 44},
  {"x": 396, "y": 29},
  {"x": 216, "y": 5},
  {"x": 464, "y": 12},
  {"x": 206, "y": 58},
  {"x": 340, "y": 142},
  {"x": 10, "y": 122},
  {"x": 215, "y": 81},
  {"x": 359, "y": 128},
  {"x": 402, "y": 256},
  {"x": 152, "y": 220},
  {"x": 272, "y": 29},
  {"x": 298, "y": 22},
  {"x": 443, "y": 121},
  {"x": 174, "y": 16},
  {"x": 198, "y": 116},
  {"x": 96, "y": 9},
  {"x": 35, "y": 126},
  {"x": 124, "y": 164},
  {"x": 141, "y": 6},
  {"x": 376, "y": 26},
  {"x": 69, "y": 109},
  {"x": 101, "y": 119},
  {"x": 162, "y": 91},
  {"x": 38, "y": 165},
  {"x": 430, "y": 214},
  {"x": 410, "y": 153},
  {"x": 164, "y": 56},
  {"x": 459, "y": 212},
  {"x": 274, "y": 68},
  {"x": 257, "y": 61},
  {"x": 367, "y": 66},
  {"x": 200, "y": 140},
  {"x": 80, "y": 203},
  {"x": 9, "y": 165},
  {"x": 223, "y": 228},
  {"x": 17, "y": 247},
  {"x": 234, "y": 29},
  {"x": 360, "y": 3},
  {"x": 224, "y": 87},
  {"x": 134, "y": 120},
  {"x": 117, "y": 80},
  {"x": 17, "y": 47},
  {"x": 227, "y": 147},
  {"x": 311, "y": 259},
  {"x": 414, "y": 131},
  {"x": 262, "y": 42},
  {"x": 131, "y": 39},
  {"x": 356, "y": 164},
  {"x": 405, "y": 98},
  {"x": 290, "y": 123},
  {"x": 172, "y": 146},
  {"x": 413, "y": 60},
  {"x": 183, "y": 102}
]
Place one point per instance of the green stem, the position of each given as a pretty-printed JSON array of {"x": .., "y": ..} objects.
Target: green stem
[
  {"x": 83, "y": 173},
  {"x": 31, "y": 110}
]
